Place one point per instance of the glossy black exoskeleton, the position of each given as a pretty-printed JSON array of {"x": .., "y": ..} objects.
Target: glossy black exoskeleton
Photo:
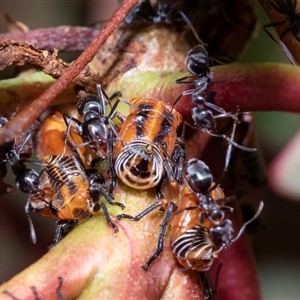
[
  {"x": 200, "y": 180},
  {"x": 205, "y": 112},
  {"x": 168, "y": 12},
  {"x": 95, "y": 127},
  {"x": 13, "y": 152},
  {"x": 97, "y": 130}
]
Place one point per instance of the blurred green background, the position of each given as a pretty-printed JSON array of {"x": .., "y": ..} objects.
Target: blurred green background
[{"x": 276, "y": 242}]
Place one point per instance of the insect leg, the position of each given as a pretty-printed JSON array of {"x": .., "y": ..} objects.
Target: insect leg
[
  {"x": 160, "y": 243},
  {"x": 107, "y": 217},
  {"x": 141, "y": 214}
]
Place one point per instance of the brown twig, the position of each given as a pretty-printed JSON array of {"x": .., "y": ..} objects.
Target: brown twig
[
  {"x": 15, "y": 53},
  {"x": 63, "y": 38},
  {"x": 26, "y": 116},
  {"x": 19, "y": 53}
]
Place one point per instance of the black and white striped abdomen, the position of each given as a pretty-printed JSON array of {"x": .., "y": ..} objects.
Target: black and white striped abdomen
[
  {"x": 140, "y": 165},
  {"x": 60, "y": 169},
  {"x": 196, "y": 240}
]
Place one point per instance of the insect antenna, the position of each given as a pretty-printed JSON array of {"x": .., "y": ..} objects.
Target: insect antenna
[
  {"x": 261, "y": 205},
  {"x": 31, "y": 226}
]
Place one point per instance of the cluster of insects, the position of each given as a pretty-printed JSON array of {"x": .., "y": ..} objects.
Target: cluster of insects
[{"x": 144, "y": 150}]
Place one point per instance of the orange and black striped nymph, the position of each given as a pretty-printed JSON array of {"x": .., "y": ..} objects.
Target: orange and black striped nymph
[
  {"x": 147, "y": 140},
  {"x": 71, "y": 187},
  {"x": 191, "y": 239}
]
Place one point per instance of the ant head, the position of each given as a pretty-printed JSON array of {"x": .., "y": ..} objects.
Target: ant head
[
  {"x": 222, "y": 235},
  {"x": 28, "y": 181},
  {"x": 94, "y": 131},
  {"x": 197, "y": 61},
  {"x": 199, "y": 175},
  {"x": 90, "y": 107}
]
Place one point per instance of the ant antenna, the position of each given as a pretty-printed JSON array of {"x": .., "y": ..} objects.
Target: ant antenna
[
  {"x": 58, "y": 289},
  {"x": 188, "y": 22},
  {"x": 261, "y": 206},
  {"x": 32, "y": 230}
]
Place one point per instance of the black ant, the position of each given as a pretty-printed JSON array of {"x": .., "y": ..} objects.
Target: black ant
[
  {"x": 198, "y": 242},
  {"x": 168, "y": 13},
  {"x": 97, "y": 130},
  {"x": 95, "y": 127},
  {"x": 288, "y": 8},
  {"x": 203, "y": 114},
  {"x": 21, "y": 148},
  {"x": 15, "y": 153},
  {"x": 197, "y": 63}
]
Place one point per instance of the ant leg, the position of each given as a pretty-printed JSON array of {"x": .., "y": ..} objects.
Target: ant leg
[
  {"x": 284, "y": 48},
  {"x": 143, "y": 213},
  {"x": 35, "y": 293},
  {"x": 270, "y": 35},
  {"x": 107, "y": 217},
  {"x": 58, "y": 236},
  {"x": 227, "y": 158},
  {"x": 185, "y": 93},
  {"x": 160, "y": 243},
  {"x": 207, "y": 290},
  {"x": 159, "y": 194},
  {"x": 111, "y": 162},
  {"x": 107, "y": 197},
  {"x": 178, "y": 158},
  {"x": 244, "y": 148},
  {"x": 58, "y": 289},
  {"x": 10, "y": 295},
  {"x": 274, "y": 24},
  {"x": 284, "y": 32},
  {"x": 33, "y": 131},
  {"x": 188, "y": 22},
  {"x": 59, "y": 232}
]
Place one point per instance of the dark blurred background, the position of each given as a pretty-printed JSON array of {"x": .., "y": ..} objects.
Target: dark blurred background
[{"x": 276, "y": 242}]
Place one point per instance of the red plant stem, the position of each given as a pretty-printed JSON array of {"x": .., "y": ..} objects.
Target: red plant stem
[
  {"x": 250, "y": 87},
  {"x": 258, "y": 87},
  {"x": 26, "y": 116}
]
